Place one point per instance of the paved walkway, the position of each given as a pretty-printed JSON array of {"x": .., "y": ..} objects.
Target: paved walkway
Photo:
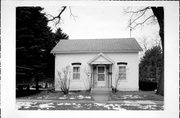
[{"x": 101, "y": 96}]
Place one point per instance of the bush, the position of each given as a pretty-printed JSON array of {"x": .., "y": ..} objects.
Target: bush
[
  {"x": 64, "y": 81},
  {"x": 147, "y": 85}
]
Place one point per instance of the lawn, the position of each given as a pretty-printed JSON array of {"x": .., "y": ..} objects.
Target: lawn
[
  {"x": 136, "y": 95},
  {"x": 57, "y": 95},
  {"x": 85, "y": 106},
  {"x": 128, "y": 100}
]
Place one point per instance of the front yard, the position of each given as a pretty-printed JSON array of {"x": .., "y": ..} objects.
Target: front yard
[
  {"x": 136, "y": 95},
  {"x": 50, "y": 100},
  {"x": 85, "y": 106},
  {"x": 53, "y": 95}
]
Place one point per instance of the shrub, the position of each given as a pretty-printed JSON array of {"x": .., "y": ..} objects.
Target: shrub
[
  {"x": 88, "y": 80},
  {"x": 147, "y": 85},
  {"x": 64, "y": 80}
]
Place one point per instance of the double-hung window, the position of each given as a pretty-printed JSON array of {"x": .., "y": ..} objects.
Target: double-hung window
[
  {"x": 122, "y": 72},
  {"x": 76, "y": 72}
]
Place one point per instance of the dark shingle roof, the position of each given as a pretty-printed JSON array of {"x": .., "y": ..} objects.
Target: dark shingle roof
[{"x": 97, "y": 45}]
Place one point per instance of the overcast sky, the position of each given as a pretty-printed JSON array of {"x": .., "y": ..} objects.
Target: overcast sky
[{"x": 96, "y": 22}]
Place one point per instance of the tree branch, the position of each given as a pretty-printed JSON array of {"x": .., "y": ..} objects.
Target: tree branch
[
  {"x": 138, "y": 17},
  {"x": 71, "y": 14},
  {"x": 58, "y": 16},
  {"x": 138, "y": 11},
  {"x": 141, "y": 23}
]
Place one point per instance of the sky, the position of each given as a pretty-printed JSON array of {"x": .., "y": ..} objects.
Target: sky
[{"x": 98, "y": 22}]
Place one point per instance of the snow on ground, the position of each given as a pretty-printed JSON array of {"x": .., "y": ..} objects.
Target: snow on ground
[
  {"x": 46, "y": 105},
  {"x": 131, "y": 97},
  {"x": 139, "y": 102},
  {"x": 110, "y": 106},
  {"x": 80, "y": 97},
  {"x": 85, "y": 106},
  {"x": 83, "y": 97},
  {"x": 63, "y": 97},
  {"x": 26, "y": 105}
]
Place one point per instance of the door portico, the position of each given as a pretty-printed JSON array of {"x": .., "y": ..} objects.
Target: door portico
[{"x": 101, "y": 68}]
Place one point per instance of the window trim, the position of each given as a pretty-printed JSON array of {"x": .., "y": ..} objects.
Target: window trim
[
  {"x": 76, "y": 72},
  {"x": 122, "y": 65}
]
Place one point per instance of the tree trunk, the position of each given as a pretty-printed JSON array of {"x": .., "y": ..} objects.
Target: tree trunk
[{"x": 159, "y": 13}]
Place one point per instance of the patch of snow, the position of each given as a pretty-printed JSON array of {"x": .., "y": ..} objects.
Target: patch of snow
[
  {"x": 73, "y": 103},
  {"x": 26, "y": 105},
  {"x": 146, "y": 106},
  {"x": 99, "y": 104},
  {"x": 83, "y": 97},
  {"x": 46, "y": 105},
  {"x": 118, "y": 107},
  {"x": 131, "y": 97},
  {"x": 77, "y": 105},
  {"x": 67, "y": 103},
  {"x": 62, "y": 98},
  {"x": 60, "y": 104},
  {"x": 110, "y": 106},
  {"x": 87, "y": 97},
  {"x": 72, "y": 98},
  {"x": 139, "y": 102},
  {"x": 80, "y": 97}
]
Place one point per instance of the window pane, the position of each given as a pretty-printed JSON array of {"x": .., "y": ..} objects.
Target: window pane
[
  {"x": 100, "y": 77},
  {"x": 122, "y": 69},
  {"x": 76, "y": 75},
  {"x": 122, "y": 72},
  {"x": 100, "y": 69},
  {"x": 76, "y": 69}
]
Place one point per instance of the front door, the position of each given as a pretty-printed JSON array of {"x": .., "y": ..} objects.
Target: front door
[{"x": 101, "y": 76}]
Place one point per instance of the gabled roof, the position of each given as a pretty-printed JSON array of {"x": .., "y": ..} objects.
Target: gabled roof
[
  {"x": 97, "y": 45},
  {"x": 101, "y": 59}
]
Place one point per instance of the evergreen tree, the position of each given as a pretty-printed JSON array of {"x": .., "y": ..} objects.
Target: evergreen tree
[
  {"x": 34, "y": 41},
  {"x": 150, "y": 65}
]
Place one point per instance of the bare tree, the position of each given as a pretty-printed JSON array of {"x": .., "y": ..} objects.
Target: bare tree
[
  {"x": 57, "y": 19},
  {"x": 144, "y": 43},
  {"x": 138, "y": 18},
  {"x": 88, "y": 79},
  {"x": 64, "y": 79}
]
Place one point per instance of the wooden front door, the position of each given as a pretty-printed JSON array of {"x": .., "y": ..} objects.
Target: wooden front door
[{"x": 101, "y": 76}]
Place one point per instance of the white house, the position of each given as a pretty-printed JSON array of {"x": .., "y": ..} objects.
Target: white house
[{"x": 102, "y": 63}]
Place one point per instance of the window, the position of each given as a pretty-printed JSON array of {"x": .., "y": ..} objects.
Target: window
[
  {"x": 76, "y": 72},
  {"x": 122, "y": 72}
]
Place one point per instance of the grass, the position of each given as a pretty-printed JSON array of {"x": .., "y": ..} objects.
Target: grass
[
  {"x": 136, "y": 95},
  {"x": 58, "y": 95},
  {"x": 88, "y": 106}
]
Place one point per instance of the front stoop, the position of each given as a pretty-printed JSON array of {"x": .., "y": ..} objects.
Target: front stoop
[{"x": 101, "y": 94}]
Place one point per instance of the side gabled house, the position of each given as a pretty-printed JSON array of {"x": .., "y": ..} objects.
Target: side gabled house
[{"x": 104, "y": 63}]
